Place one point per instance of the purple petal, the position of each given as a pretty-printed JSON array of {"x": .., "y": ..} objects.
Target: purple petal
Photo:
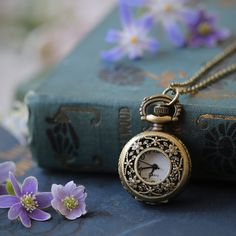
[
  {"x": 58, "y": 191},
  {"x": 146, "y": 22},
  {"x": 222, "y": 34},
  {"x": 194, "y": 41},
  {"x": 114, "y": 54},
  {"x": 14, "y": 211},
  {"x": 44, "y": 199},
  {"x": 112, "y": 36},
  {"x": 30, "y": 185},
  {"x": 125, "y": 13},
  {"x": 78, "y": 191},
  {"x": 203, "y": 16},
  {"x": 190, "y": 16},
  {"x": 81, "y": 197},
  {"x": 197, "y": 41},
  {"x": 59, "y": 206},
  {"x": 3, "y": 190},
  {"x": 152, "y": 45},
  {"x": 40, "y": 215},
  {"x": 5, "y": 168},
  {"x": 211, "y": 18},
  {"x": 25, "y": 219},
  {"x": 174, "y": 33},
  {"x": 135, "y": 53},
  {"x": 15, "y": 185},
  {"x": 82, "y": 207},
  {"x": 6, "y": 201},
  {"x": 137, "y": 3},
  {"x": 70, "y": 186},
  {"x": 210, "y": 41},
  {"x": 74, "y": 214}
]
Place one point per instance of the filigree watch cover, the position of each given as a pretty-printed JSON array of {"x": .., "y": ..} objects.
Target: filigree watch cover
[{"x": 154, "y": 166}]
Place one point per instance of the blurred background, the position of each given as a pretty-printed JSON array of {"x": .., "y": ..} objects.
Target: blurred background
[{"x": 36, "y": 34}]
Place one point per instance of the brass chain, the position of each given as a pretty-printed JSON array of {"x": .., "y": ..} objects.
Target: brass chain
[{"x": 188, "y": 86}]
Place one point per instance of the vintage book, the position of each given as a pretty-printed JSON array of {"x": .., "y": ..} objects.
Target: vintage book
[
  {"x": 107, "y": 204},
  {"x": 83, "y": 114}
]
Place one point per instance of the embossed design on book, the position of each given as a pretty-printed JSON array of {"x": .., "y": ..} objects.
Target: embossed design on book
[
  {"x": 63, "y": 137},
  {"x": 122, "y": 74},
  {"x": 220, "y": 143}
]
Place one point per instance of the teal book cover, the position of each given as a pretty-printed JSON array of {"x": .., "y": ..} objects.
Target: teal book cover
[{"x": 86, "y": 110}]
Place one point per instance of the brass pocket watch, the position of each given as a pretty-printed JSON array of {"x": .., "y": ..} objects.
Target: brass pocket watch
[{"x": 154, "y": 166}]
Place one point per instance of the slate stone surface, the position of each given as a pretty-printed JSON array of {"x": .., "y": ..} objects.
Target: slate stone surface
[{"x": 202, "y": 209}]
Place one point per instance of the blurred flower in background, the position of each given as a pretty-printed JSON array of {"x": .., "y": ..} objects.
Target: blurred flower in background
[
  {"x": 204, "y": 30},
  {"x": 184, "y": 22},
  {"x": 133, "y": 40},
  {"x": 34, "y": 35}
]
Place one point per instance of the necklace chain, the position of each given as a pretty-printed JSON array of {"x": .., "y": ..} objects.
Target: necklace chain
[{"x": 188, "y": 86}]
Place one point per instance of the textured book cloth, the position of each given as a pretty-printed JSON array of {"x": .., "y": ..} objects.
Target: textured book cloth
[
  {"x": 201, "y": 210},
  {"x": 83, "y": 114}
]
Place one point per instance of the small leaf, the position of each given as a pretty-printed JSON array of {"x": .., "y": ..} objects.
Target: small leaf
[{"x": 9, "y": 188}]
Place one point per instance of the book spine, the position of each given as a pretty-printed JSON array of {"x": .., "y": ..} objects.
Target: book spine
[{"x": 72, "y": 135}]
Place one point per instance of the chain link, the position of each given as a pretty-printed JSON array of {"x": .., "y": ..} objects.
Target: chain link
[{"x": 188, "y": 86}]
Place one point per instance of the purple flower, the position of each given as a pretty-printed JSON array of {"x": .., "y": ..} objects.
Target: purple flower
[
  {"x": 27, "y": 203},
  {"x": 204, "y": 32},
  {"x": 5, "y": 168},
  {"x": 133, "y": 40},
  {"x": 170, "y": 14},
  {"x": 69, "y": 200}
]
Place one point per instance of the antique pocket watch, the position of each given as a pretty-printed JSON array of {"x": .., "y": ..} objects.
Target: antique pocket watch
[{"x": 154, "y": 166}]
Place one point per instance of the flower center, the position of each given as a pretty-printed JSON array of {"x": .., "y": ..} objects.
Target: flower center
[
  {"x": 70, "y": 203},
  {"x": 204, "y": 28},
  {"x": 168, "y": 8},
  {"x": 134, "y": 39},
  {"x": 29, "y": 202}
]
